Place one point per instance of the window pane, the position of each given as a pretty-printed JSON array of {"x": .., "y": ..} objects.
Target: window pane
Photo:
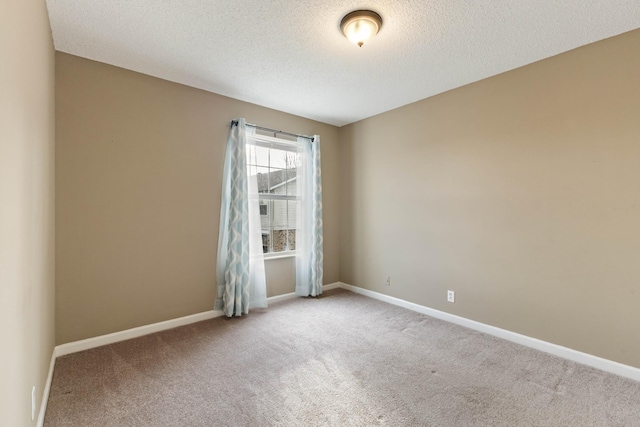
[
  {"x": 277, "y": 181},
  {"x": 279, "y": 221},
  {"x": 291, "y": 224},
  {"x": 265, "y": 224},
  {"x": 292, "y": 240},
  {"x": 279, "y": 159},
  {"x": 291, "y": 183},
  {"x": 291, "y": 213},
  {"x": 259, "y": 156},
  {"x": 279, "y": 226},
  {"x": 292, "y": 165},
  {"x": 291, "y": 173},
  {"x": 263, "y": 179}
]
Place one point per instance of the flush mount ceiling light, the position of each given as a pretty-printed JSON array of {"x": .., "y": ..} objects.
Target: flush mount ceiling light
[{"x": 360, "y": 25}]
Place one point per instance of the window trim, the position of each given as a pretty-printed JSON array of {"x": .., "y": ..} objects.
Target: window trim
[
  {"x": 271, "y": 142},
  {"x": 278, "y": 255}
]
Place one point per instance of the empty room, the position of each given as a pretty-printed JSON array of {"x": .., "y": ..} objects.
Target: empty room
[{"x": 399, "y": 213}]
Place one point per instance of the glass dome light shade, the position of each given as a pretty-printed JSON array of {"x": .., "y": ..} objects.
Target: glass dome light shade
[{"x": 360, "y": 26}]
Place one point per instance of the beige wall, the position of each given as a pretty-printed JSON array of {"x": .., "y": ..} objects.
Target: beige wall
[
  {"x": 26, "y": 207},
  {"x": 138, "y": 177},
  {"x": 520, "y": 192}
]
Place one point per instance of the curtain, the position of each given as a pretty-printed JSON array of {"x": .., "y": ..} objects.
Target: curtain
[
  {"x": 309, "y": 256},
  {"x": 240, "y": 277}
]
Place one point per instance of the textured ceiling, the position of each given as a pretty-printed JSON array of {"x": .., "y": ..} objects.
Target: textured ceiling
[{"x": 291, "y": 56}]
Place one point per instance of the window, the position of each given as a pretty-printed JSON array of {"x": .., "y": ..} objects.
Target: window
[{"x": 274, "y": 162}]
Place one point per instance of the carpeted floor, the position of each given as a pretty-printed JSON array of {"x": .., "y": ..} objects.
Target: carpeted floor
[{"x": 339, "y": 360}]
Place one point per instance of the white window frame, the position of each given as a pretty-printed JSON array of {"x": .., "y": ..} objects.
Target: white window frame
[{"x": 283, "y": 145}]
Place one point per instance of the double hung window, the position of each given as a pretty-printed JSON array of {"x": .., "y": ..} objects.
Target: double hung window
[{"x": 274, "y": 162}]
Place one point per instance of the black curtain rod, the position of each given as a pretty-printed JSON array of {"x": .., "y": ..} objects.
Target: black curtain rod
[{"x": 235, "y": 123}]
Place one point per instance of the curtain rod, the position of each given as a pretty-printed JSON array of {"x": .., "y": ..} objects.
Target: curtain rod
[{"x": 312, "y": 139}]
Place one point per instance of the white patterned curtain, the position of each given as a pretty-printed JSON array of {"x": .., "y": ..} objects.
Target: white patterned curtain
[
  {"x": 240, "y": 277},
  {"x": 309, "y": 258}
]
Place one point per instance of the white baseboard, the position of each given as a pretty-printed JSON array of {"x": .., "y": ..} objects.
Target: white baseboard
[
  {"x": 330, "y": 286},
  {"x": 282, "y": 297},
  {"x": 89, "y": 343},
  {"x": 292, "y": 295},
  {"x": 76, "y": 346},
  {"x": 547, "y": 347},
  {"x": 45, "y": 392}
]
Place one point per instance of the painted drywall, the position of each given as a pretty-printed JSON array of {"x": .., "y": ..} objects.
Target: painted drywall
[
  {"x": 520, "y": 192},
  {"x": 27, "y": 200},
  {"x": 138, "y": 179}
]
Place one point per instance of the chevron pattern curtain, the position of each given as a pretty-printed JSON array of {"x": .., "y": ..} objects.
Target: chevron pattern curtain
[
  {"x": 240, "y": 277},
  {"x": 309, "y": 260}
]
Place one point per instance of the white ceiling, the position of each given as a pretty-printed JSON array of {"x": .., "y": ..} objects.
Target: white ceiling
[{"x": 291, "y": 56}]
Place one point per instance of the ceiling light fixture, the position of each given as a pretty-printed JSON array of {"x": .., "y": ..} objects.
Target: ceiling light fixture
[{"x": 360, "y": 25}]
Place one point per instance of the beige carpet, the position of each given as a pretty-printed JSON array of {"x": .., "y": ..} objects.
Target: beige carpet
[{"x": 339, "y": 360}]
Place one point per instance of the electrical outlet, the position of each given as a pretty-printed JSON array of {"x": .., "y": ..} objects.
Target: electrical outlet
[
  {"x": 388, "y": 282},
  {"x": 33, "y": 403},
  {"x": 451, "y": 296}
]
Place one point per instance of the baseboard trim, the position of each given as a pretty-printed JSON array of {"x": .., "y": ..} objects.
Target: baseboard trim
[
  {"x": 282, "y": 297},
  {"x": 292, "y": 295},
  {"x": 45, "y": 392},
  {"x": 89, "y": 343},
  {"x": 547, "y": 347},
  {"x": 99, "y": 341},
  {"x": 330, "y": 286}
]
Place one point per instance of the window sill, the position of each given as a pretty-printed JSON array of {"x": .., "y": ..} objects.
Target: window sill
[{"x": 280, "y": 256}]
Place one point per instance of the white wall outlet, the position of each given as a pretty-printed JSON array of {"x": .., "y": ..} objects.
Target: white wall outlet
[
  {"x": 388, "y": 282},
  {"x": 451, "y": 296},
  {"x": 33, "y": 403}
]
